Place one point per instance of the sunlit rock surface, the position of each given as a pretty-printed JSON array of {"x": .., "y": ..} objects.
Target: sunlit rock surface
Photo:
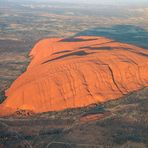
[{"x": 76, "y": 72}]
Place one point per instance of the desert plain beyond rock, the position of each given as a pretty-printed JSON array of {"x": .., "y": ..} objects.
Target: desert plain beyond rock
[{"x": 76, "y": 72}]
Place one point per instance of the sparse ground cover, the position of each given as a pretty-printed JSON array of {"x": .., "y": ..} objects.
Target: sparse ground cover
[{"x": 125, "y": 126}]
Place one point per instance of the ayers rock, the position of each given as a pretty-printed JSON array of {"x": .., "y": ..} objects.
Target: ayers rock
[{"x": 76, "y": 72}]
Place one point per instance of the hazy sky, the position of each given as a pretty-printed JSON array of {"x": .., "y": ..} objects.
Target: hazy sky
[
  {"x": 104, "y": 1},
  {"x": 89, "y": 1}
]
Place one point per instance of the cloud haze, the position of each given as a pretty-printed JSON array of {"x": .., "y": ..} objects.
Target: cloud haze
[{"x": 104, "y": 1}]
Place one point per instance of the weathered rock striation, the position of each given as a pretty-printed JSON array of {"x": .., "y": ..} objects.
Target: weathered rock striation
[{"x": 76, "y": 72}]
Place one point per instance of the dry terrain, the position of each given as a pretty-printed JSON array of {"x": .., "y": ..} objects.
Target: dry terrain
[{"x": 118, "y": 124}]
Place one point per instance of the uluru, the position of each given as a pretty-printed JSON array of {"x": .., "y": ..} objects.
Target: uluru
[{"x": 76, "y": 72}]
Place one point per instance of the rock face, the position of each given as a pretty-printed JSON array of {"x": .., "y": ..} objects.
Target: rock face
[{"x": 76, "y": 72}]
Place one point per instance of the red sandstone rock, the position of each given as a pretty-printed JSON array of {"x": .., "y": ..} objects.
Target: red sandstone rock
[{"x": 71, "y": 73}]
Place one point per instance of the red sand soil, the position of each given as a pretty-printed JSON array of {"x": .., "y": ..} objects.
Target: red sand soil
[
  {"x": 94, "y": 117},
  {"x": 71, "y": 73}
]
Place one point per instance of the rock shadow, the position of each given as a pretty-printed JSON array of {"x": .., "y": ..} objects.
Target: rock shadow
[
  {"x": 123, "y": 33},
  {"x": 72, "y": 39},
  {"x": 78, "y": 53}
]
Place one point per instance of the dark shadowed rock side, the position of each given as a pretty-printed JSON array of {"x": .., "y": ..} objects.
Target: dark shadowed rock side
[{"x": 76, "y": 72}]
